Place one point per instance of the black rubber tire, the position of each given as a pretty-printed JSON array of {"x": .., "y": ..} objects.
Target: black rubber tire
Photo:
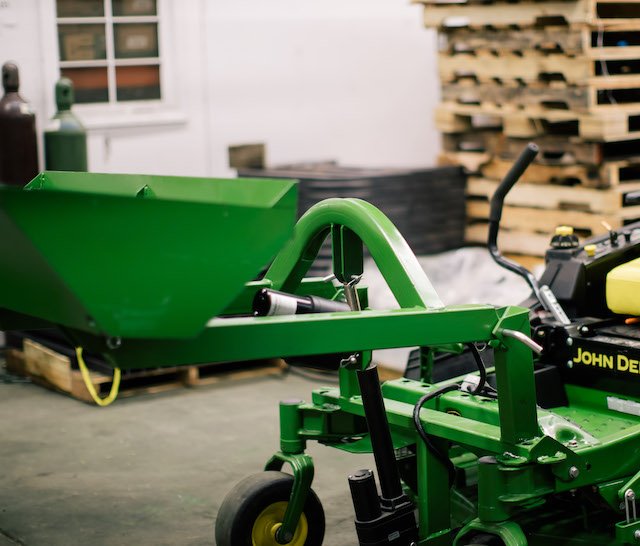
[
  {"x": 250, "y": 497},
  {"x": 484, "y": 540}
]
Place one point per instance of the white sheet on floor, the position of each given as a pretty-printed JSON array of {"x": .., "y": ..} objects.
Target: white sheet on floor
[{"x": 467, "y": 275}]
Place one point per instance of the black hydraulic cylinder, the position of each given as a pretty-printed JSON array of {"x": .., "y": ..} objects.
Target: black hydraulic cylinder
[
  {"x": 269, "y": 302},
  {"x": 365, "y": 495},
  {"x": 390, "y": 485}
]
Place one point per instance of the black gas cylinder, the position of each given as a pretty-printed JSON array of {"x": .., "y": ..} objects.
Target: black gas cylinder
[{"x": 18, "y": 139}]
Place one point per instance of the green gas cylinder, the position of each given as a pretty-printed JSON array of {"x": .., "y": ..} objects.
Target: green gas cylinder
[{"x": 65, "y": 139}]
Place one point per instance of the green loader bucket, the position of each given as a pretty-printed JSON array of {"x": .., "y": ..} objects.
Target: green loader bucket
[{"x": 136, "y": 256}]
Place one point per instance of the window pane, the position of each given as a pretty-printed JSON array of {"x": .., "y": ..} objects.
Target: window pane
[
  {"x": 134, "y": 7},
  {"x": 135, "y": 40},
  {"x": 138, "y": 82},
  {"x": 90, "y": 84},
  {"x": 80, "y": 8},
  {"x": 81, "y": 42}
]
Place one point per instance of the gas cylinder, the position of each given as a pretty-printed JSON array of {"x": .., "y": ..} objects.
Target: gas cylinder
[
  {"x": 18, "y": 137},
  {"x": 65, "y": 139}
]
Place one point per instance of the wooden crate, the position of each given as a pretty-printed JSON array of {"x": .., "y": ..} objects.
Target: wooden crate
[{"x": 54, "y": 371}]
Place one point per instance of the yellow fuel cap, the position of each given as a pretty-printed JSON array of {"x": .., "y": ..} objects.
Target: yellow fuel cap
[
  {"x": 590, "y": 250},
  {"x": 564, "y": 231}
]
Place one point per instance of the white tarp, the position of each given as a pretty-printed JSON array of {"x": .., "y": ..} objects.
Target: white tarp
[{"x": 466, "y": 275}]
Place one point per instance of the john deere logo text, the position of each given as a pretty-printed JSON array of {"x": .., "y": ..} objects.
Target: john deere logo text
[{"x": 620, "y": 363}]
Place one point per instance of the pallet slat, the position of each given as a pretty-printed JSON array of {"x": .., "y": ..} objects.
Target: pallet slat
[
  {"x": 544, "y": 221},
  {"x": 603, "y": 126},
  {"x": 501, "y": 14},
  {"x": 554, "y": 150},
  {"x": 533, "y": 66},
  {"x": 533, "y": 244},
  {"x": 599, "y": 95},
  {"x": 624, "y": 173},
  {"x": 620, "y": 42},
  {"x": 605, "y": 201}
]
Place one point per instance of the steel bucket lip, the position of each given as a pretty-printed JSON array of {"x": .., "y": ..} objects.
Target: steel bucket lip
[{"x": 263, "y": 192}]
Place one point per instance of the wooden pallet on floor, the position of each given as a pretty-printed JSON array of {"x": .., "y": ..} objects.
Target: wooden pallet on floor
[
  {"x": 518, "y": 242},
  {"x": 620, "y": 42},
  {"x": 608, "y": 174},
  {"x": 584, "y": 175},
  {"x": 618, "y": 93},
  {"x": 603, "y": 126},
  {"x": 527, "y": 260},
  {"x": 553, "y": 149},
  {"x": 531, "y": 66},
  {"x": 490, "y": 141},
  {"x": 54, "y": 371},
  {"x": 619, "y": 200},
  {"x": 472, "y": 162},
  {"x": 567, "y": 150},
  {"x": 544, "y": 221},
  {"x": 475, "y": 2},
  {"x": 604, "y": 13},
  {"x": 623, "y": 173}
]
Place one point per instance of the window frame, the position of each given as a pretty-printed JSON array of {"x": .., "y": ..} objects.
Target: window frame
[{"x": 115, "y": 114}]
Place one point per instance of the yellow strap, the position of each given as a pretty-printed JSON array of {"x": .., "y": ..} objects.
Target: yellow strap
[{"x": 115, "y": 385}]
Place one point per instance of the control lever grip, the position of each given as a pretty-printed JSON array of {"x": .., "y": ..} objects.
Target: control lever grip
[
  {"x": 515, "y": 172},
  {"x": 545, "y": 297}
]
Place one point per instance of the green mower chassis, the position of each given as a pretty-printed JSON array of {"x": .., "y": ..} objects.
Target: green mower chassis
[{"x": 150, "y": 261}]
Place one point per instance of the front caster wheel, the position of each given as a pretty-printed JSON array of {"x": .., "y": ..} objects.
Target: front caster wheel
[
  {"x": 251, "y": 514},
  {"x": 485, "y": 540}
]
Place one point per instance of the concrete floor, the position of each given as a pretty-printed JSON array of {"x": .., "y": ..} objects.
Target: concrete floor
[{"x": 150, "y": 469}]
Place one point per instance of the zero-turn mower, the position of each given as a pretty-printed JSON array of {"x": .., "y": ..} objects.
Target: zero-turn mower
[{"x": 531, "y": 436}]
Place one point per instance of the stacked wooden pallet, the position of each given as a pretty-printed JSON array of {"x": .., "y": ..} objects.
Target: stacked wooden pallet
[
  {"x": 56, "y": 371},
  {"x": 565, "y": 74}
]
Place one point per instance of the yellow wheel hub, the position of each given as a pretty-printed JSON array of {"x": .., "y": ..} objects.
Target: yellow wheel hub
[{"x": 270, "y": 520}]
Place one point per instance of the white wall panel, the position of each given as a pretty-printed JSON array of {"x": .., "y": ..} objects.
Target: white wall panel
[{"x": 352, "y": 80}]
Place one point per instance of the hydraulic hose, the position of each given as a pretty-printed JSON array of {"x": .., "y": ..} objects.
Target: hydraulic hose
[
  {"x": 115, "y": 385},
  {"x": 433, "y": 449}
]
